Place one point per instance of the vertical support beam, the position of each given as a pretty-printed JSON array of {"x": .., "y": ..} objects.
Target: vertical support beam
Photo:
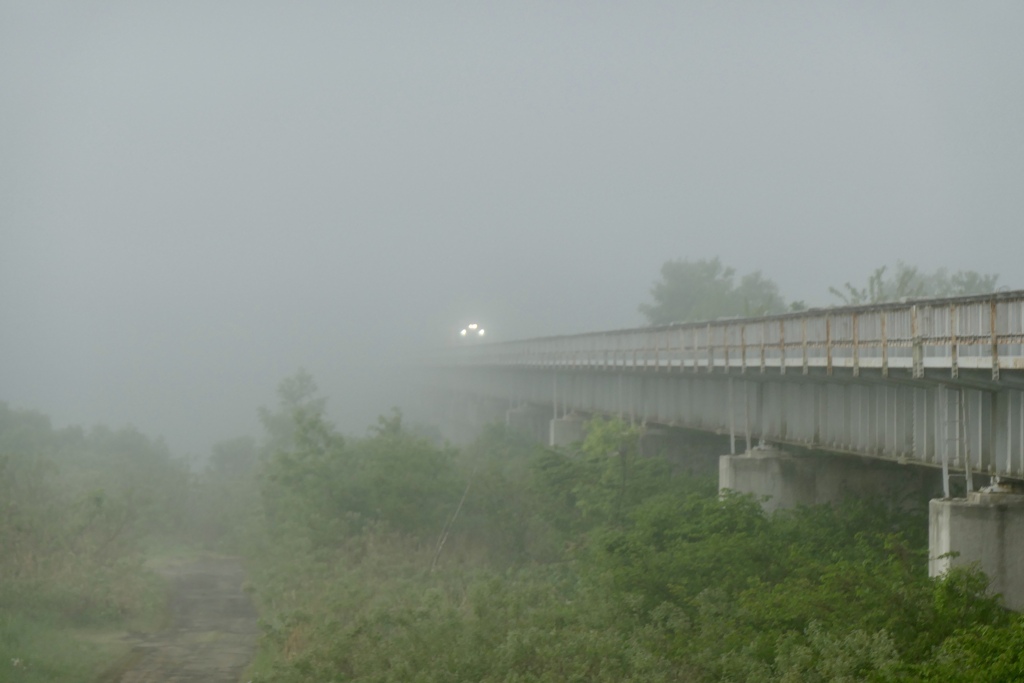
[
  {"x": 779, "y": 404},
  {"x": 682, "y": 350},
  {"x": 1002, "y": 441},
  {"x": 917, "y": 355},
  {"x": 743, "y": 349},
  {"x": 619, "y": 402},
  {"x": 995, "y": 340},
  {"x": 732, "y": 419},
  {"x": 924, "y": 424},
  {"x": 982, "y": 424},
  {"x": 803, "y": 342},
  {"x": 856, "y": 345},
  {"x": 696, "y": 352},
  {"x": 883, "y": 419},
  {"x": 960, "y": 425},
  {"x": 725, "y": 346},
  {"x": 759, "y": 409},
  {"x": 634, "y": 380},
  {"x": 912, "y": 445},
  {"x": 828, "y": 434},
  {"x": 828, "y": 344},
  {"x": 954, "y": 346},
  {"x": 816, "y": 397},
  {"x": 945, "y": 441},
  {"x": 782, "y": 347},
  {"x": 711, "y": 348},
  {"x": 966, "y": 436},
  {"x": 856, "y": 419},
  {"x": 897, "y": 406},
  {"x": 554, "y": 394},
  {"x": 746, "y": 412},
  {"x": 764, "y": 336},
  {"x": 885, "y": 347},
  {"x": 843, "y": 438}
]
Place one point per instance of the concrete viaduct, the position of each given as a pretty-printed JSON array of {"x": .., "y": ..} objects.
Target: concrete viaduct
[{"x": 817, "y": 405}]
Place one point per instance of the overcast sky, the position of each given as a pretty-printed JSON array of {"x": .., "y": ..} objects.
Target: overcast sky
[{"x": 198, "y": 198}]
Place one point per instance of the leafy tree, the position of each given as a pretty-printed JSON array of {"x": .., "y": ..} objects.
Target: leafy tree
[
  {"x": 981, "y": 652},
  {"x": 403, "y": 479},
  {"x": 614, "y": 478},
  {"x": 676, "y": 547},
  {"x": 298, "y": 399},
  {"x": 706, "y": 289},
  {"x": 504, "y": 511},
  {"x": 227, "y": 495},
  {"x": 906, "y": 281},
  {"x": 967, "y": 282},
  {"x": 319, "y": 486},
  {"x": 658, "y": 577},
  {"x": 304, "y": 480}
]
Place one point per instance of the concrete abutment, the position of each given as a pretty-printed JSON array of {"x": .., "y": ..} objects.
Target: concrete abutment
[
  {"x": 566, "y": 430},
  {"x": 788, "y": 480},
  {"x": 986, "y": 529},
  {"x": 531, "y": 421}
]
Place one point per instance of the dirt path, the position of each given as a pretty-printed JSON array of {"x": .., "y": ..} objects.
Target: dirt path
[{"x": 212, "y": 632}]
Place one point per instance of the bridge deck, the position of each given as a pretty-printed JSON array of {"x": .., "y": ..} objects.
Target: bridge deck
[
  {"x": 978, "y": 333},
  {"x": 932, "y": 381}
]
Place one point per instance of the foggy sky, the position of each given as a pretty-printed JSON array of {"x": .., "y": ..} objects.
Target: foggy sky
[{"x": 197, "y": 199}]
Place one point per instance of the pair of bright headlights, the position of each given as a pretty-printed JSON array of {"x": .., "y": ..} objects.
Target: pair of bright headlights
[{"x": 473, "y": 329}]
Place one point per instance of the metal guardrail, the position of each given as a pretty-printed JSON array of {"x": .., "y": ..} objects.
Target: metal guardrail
[{"x": 976, "y": 333}]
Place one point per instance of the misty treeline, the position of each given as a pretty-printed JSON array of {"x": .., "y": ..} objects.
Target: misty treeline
[
  {"x": 75, "y": 503},
  {"x": 705, "y": 289},
  {"x": 80, "y": 510},
  {"x": 397, "y": 557}
]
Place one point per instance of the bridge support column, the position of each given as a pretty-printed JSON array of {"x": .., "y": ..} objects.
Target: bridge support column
[
  {"x": 465, "y": 415},
  {"x": 564, "y": 431},
  {"x": 785, "y": 480},
  {"x": 814, "y": 479},
  {"x": 987, "y": 529},
  {"x": 695, "y": 453},
  {"x": 533, "y": 421}
]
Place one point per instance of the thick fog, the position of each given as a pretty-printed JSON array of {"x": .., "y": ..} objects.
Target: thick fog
[{"x": 197, "y": 199}]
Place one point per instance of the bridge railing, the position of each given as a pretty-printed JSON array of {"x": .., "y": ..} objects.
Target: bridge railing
[{"x": 977, "y": 333}]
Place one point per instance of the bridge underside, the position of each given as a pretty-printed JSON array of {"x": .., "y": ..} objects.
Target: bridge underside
[
  {"x": 937, "y": 383},
  {"x": 971, "y": 425}
]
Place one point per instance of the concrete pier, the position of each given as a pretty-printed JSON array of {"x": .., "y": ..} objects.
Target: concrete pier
[
  {"x": 531, "y": 421},
  {"x": 987, "y": 529},
  {"x": 789, "y": 480},
  {"x": 689, "y": 451},
  {"x": 566, "y": 430}
]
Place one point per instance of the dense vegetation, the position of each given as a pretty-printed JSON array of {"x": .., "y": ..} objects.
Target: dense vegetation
[
  {"x": 395, "y": 557},
  {"x": 79, "y": 512},
  {"x": 705, "y": 289},
  {"x": 392, "y": 558}
]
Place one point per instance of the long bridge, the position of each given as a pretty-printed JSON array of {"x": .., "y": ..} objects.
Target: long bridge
[{"x": 933, "y": 383}]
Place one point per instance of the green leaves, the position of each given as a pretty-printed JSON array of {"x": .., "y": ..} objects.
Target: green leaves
[
  {"x": 980, "y": 653},
  {"x": 906, "y": 281},
  {"x": 316, "y": 483},
  {"x": 644, "y": 576},
  {"x": 76, "y": 508},
  {"x": 706, "y": 289}
]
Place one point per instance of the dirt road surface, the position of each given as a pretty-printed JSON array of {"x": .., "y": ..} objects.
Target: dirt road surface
[{"x": 212, "y": 631}]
